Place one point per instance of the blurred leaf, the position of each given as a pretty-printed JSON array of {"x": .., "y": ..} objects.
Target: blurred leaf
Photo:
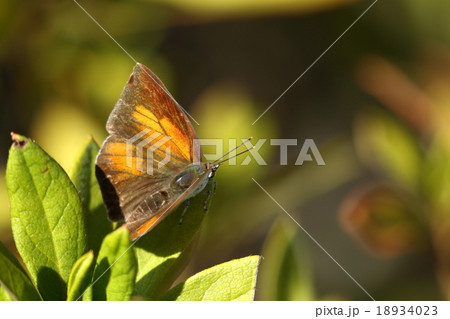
[
  {"x": 115, "y": 272},
  {"x": 287, "y": 272},
  {"x": 110, "y": 67},
  {"x": 81, "y": 276},
  {"x": 54, "y": 128},
  {"x": 396, "y": 91},
  {"x": 429, "y": 19},
  {"x": 238, "y": 110},
  {"x": 162, "y": 252},
  {"x": 14, "y": 283},
  {"x": 83, "y": 176},
  {"x": 385, "y": 144},
  {"x": 230, "y": 281},
  {"x": 224, "y": 8},
  {"x": 436, "y": 177},
  {"x": 383, "y": 220},
  {"x": 46, "y": 216}
]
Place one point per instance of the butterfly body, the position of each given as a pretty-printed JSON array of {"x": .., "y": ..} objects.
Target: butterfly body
[
  {"x": 150, "y": 163},
  {"x": 157, "y": 203}
]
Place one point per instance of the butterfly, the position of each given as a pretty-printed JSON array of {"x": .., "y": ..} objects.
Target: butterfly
[{"x": 150, "y": 162}]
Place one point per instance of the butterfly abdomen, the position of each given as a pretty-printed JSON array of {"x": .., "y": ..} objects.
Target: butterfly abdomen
[{"x": 151, "y": 205}]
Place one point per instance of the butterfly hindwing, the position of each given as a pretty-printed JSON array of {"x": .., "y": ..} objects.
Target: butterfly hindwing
[{"x": 154, "y": 207}]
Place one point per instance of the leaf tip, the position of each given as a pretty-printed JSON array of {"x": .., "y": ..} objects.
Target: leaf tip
[
  {"x": 19, "y": 141},
  {"x": 91, "y": 139}
]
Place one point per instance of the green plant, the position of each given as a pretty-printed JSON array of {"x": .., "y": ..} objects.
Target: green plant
[{"x": 71, "y": 251}]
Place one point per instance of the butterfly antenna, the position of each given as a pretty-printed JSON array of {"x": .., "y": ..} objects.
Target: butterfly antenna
[
  {"x": 246, "y": 141},
  {"x": 227, "y": 159}
]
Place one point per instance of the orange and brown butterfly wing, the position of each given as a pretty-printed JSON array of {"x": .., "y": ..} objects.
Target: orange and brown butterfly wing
[
  {"x": 123, "y": 179},
  {"x": 145, "y": 115},
  {"x": 145, "y": 103}
]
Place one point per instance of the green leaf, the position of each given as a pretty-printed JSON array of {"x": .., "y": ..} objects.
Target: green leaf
[
  {"x": 233, "y": 280},
  {"x": 115, "y": 272},
  {"x": 286, "y": 273},
  {"x": 81, "y": 276},
  {"x": 163, "y": 251},
  {"x": 5, "y": 295},
  {"x": 14, "y": 283},
  {"x": 46, "y": 217},
  {"x": 83, "y": 177}
]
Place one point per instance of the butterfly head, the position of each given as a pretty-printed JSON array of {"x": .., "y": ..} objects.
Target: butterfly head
[{"x": 211, "y": 168}]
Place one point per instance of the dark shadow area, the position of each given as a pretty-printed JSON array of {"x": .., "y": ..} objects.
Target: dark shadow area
[
  {"x": 99, "y": 289},
  {"x": 50, "y": 284},
  {"x": 173, "y": 293}
]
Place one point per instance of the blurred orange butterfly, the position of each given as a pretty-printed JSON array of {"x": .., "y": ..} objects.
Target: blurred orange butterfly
[{"x": 150, "y": 163}]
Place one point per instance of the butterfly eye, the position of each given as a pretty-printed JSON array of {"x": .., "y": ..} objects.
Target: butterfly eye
[
  {"x": 184, "y": 180},
  {"x": 214, "y": 168}
]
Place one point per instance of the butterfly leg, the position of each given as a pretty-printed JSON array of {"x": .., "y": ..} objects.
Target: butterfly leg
[
  {"x": 214, "y": 183},
  {"x": 186, "y": 206},
  {"x": 209, "y": 193}
]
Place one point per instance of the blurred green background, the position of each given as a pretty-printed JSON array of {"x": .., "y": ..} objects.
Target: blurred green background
[{"x": 377, "y": 105}]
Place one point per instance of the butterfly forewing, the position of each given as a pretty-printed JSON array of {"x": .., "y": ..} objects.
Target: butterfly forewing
[
  {"x": 151, "y": 141},
  {"x": 145, "y": 104}
]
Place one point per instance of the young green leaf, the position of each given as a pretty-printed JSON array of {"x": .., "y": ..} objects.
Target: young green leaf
[
  {"x": 233, "y": 280},
  {"x": 286, "y": 273},
  {"x": 14, "y": 283},
  {"x": 81, "y": 276},
  {"x": 83, "y": 177},
  {"x": 159, "y": 252},
  {"x": 46, "y": 216},
  {"x": 115, "y": 272}
]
